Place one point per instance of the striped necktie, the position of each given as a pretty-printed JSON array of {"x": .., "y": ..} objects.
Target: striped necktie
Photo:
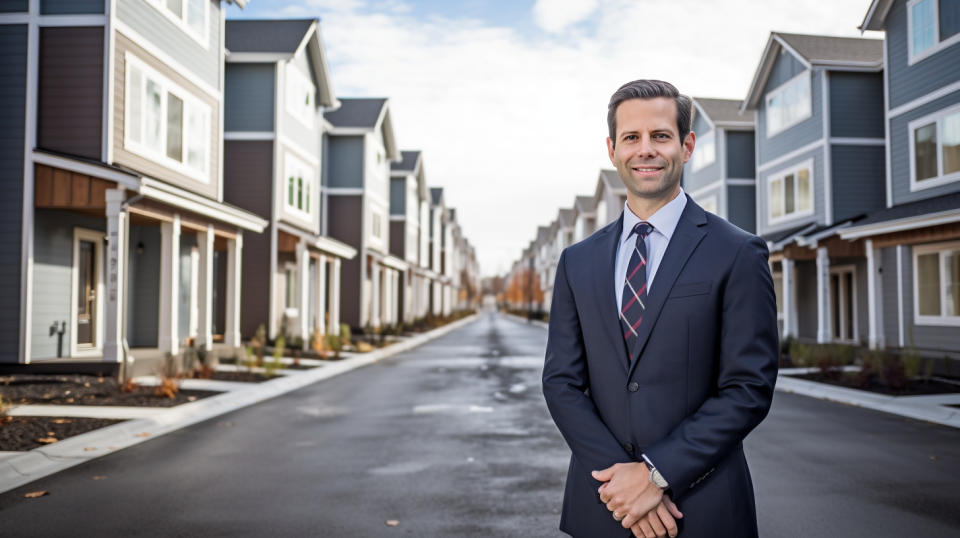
[{"x": 632, "y": 305}]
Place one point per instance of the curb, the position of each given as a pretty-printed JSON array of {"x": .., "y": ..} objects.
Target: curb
[
  {"x": 916, "y": 407},
  {"x": 514, "y": 317},
  {"x": 16, "y": 471}
]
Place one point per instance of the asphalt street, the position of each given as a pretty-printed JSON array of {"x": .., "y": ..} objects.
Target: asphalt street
[{"x": 453, "y": 439}]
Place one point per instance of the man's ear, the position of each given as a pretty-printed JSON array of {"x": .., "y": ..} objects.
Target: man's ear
[
  {"x": 610, "y": 150},
  {"x": 688, "y": 143}
]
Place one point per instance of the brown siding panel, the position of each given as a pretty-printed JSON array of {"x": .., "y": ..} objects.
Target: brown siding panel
[
  {"x": 255, "y": 282},
  {"x": 398, "y": 235},
  {"x": 346, "y": 218},
  {"x": 248, "y": 175},
  {"x": 70, "y": 101}
]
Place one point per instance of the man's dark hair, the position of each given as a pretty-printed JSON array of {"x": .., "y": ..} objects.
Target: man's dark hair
[{"x": 650, "y": 89}]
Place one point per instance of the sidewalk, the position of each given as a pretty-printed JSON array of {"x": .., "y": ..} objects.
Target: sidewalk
[
  {"x": 936, "y": 408},
  {"x": 19, "y": 468}
]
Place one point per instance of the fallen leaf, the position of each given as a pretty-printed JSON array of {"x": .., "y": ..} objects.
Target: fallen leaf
[
  {"x": 86, "y": 384},
  {"x": 47, "y": 440},
  {"x": 191, "y": 398},
  {"x": 35, "y": 494},
  {"x": 66, "y": 393},
  {"x": 62, "y": 421},
  {"x": 99, "y": 477},
  {"x": 52, "y": 434},
  {"x": 143, "y": 434},
  {"x": 89, "y": 448},
  {"x": 69, "y": 400},
  {"x": 392, "y": 522}
]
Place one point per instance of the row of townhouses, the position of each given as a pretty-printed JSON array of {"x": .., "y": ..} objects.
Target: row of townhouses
[
  {"x": 845, "y": 157},
  {"x": 172, "y": 177}
]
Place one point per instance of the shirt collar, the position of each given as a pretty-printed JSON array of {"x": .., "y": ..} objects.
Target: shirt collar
[{"x": 664, "y": 221}]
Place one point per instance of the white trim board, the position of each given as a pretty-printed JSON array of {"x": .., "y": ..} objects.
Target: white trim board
[{"x": 789, "y": 156}]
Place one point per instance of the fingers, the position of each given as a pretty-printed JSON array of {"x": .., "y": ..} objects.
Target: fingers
[
  {"x": 668, "y": 526},
  {"x": 604, "y": 498},
  {"x": 668, "y": 502},
  {"x": 646, "y": 529},
  {"x": 604, "y": 475}
]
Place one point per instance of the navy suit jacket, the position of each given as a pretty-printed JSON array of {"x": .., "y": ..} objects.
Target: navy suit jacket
[{"x": 702, "y": 374}]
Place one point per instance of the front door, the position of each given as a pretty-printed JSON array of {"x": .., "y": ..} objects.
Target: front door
[
  {"x": 843, "y": 303},
  {"x": 86, "y": 294}
]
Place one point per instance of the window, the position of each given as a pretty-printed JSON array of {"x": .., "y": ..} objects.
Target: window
[
  {"x": 290, "y": 275},
  {"x": 189, "y": 15},
  {"x": 165, "y": 123},
  {"x": 936, "y": 284},
  {"x": 705, "y": 152},
  {"x": 376, "y": 225},
  {"x": 935, "y": 149},
  {"x": 932, "y": 25},
  {"x": 778, "y": 292},
  {"x": 709, "y": 204},
  {"x": 789, "y": 104},
  {"x": 300, "y": 96},
  {"x": 790, "y": 193},
  {"x": 299, "y": 186}
]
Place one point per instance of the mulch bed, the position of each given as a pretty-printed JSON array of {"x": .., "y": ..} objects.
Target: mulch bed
[
  {"x": 24, "y": 433},
  {"x": 914, "y": 387},
  {"x": 87, "y": 390},
  {"x": 246, "y": 377}
]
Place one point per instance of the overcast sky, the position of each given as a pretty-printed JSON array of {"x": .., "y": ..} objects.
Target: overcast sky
[{"x": 507, "y": 98}]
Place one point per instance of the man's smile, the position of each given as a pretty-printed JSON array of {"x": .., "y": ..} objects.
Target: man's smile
[{"x": 647, "y": 170}]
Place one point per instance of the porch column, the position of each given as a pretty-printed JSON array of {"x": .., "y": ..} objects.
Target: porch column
[
  {"x": 303, "y": 292},
  {"x": 789, "y": 299},
  {"x": 231, "y": 334},
  {"x": 168, "y": 339},
  {"x": 874, "y": 296},
  {"x": 388, "y": 297},
  {"x": 321, "y": 295},
  {"x": 205, "y": 288},
  {"x": 823, "y": 296},
  {"x": 116, "y": 276},
  {"x": 335, "y": 296},
  {"x": 374, "y": 319}
]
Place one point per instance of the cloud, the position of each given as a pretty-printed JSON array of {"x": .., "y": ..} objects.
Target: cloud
[{"x": 556, "y": 15}]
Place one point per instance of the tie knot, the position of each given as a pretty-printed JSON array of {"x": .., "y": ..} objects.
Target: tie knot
[{"x": 642, "y": 229}]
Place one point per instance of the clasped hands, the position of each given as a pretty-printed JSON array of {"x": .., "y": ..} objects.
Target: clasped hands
[{"x": 636, "y": 502}]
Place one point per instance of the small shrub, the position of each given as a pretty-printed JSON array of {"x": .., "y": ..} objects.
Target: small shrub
[
  {"x": 274, "y": 363},
  {"x": 364, "y": 347},
  {"x": 802, "y": 355},
  {"x": 258, "y": 342},
  {"x": 333, "y": 343},
  {"x": 345, "y": 334},
  {"x": 168, "y": 387}
]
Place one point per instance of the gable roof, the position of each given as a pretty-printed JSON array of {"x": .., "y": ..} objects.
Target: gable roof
[
  {"x": 436, "y": 195},
  {"x": 584, "y": 204},
  {"x": 724, "y": 113},
  {"x": 365, "y": 114},
  {"x": 611, "y": 180},
  {"x": 281, "y": 40},
  {"x": 827, "y": 52},
  {"x": 565, "y": 217},
  {"x": 876, "y": 17},
  {"x": 409, "y": 162}
]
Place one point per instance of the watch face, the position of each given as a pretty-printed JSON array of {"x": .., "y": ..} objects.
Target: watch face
[{"x": 658, "y": 479}]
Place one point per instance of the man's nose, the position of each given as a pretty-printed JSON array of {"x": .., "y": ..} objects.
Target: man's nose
[{"x": 645, "y": 147}]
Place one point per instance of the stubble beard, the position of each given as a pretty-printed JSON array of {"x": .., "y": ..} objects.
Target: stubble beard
[{"x": 666, "y": 187}]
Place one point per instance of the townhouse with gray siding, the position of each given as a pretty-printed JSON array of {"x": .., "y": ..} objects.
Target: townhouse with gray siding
[
  {"x": 410, "y": 234},
  {"x": 358, "y": 151},
  {"x": 277, "y": 90},
  {"x": 117, "y": 240},
  {"x": 912, "y": 243},
  {"x": 437, "y": 251},
  {"x": 609, "y": 197},
  {"x": 819, "y": 151},
  {"x": 584, "y": 217},
  {"x": 720, "y": 175}
]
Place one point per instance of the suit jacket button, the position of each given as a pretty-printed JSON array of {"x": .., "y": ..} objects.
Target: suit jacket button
[
  {"x": 633, "y": 387},
  {"x": 629, "y": 448}
]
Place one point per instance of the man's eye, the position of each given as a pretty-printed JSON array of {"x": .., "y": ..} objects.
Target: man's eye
[{"x": 630, "y": 137}]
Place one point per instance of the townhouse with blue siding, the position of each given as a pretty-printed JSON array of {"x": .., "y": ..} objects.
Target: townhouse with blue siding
[
  {"x": 913, "y": 242},
  {"x": 117, "y": 241},
  {"x": 819, "y": 149},
  {"x": 720, "y": 175},
  {"x": 277, "y": 89},
  {"x": 410, "y": 234}
]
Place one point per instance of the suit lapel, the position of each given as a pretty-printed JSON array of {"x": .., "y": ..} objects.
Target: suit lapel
[
  {"x": 606, "y": 297},
  {"x": 686, "y": 237}
]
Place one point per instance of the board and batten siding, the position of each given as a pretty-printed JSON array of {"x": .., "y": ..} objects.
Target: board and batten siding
[
  {"x": 71, "y": 7},
  {"x": 147, "y": 20},
  {"x": 929, "y": 338},
  {"x": 146, "y": 165},
  {"x": 14, "y": 6},
  {"x": 70, "y": 100},
  {"x": 741, "y": 207},
  {"x": 856, "y": 105},
  {"x": 858, "y": 176},
  {"x": 13, "y": 84},
  {"x": 249, "y": 97},
  {"x": 345, "y": 161},
  {"x": 346, "y": 225},
  {"x": 909, "y": 82},
  {"x": 741, "y": 163},
  {"x": 53, "y": 277},
  {"x": 797, "y": 135},
  {"x": 764, "y": 227},
  {"x": 900, "y": 153},
  {"x": 292, "y": 127}
]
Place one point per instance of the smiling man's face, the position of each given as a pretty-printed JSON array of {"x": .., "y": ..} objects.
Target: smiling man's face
[{"x": 648, "y": 152}]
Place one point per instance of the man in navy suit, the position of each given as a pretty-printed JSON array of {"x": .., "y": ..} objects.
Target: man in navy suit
[{"x": 662, "y": 348}]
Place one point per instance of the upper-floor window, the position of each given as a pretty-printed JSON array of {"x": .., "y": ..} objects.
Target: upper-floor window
[
  {"x": 790, "y": 192},
  {"x": 166, "y": 123},
  {"x": 299, "y": 181},
  {"x": 932, "y": 25},
  {"x": 190, "y": 15},
  {"x": 935, "y": 149},
  {"x": 377, "y": 225},
  {"x": 706, "y": 151},
  {"x": 300, "y": 96},
  {"x": 936, "y": 284},
  {"x": 789, "y": 104}
]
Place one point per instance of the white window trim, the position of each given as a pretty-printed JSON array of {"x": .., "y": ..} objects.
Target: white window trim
[
  {"x": 771, "y": 221},
  {"x": 941, "y": 320},
  {"x": 774, "y": 275},
  {"x": 777, "y": 91},
  {"x": 937, "y": 44},
  {"x": 309, "y": 180},
  {"x": 295, "y": 109},
  {"x": 189, "y": 100},
  {"x": 97, "y": 239},
  {"x": 940, "y": 179},
  {"x": 852, "y": 269},
  {"x": 290, "y": 311},
  {"x": 699, "y": 165},
  {"x": 181, "y": 22}
]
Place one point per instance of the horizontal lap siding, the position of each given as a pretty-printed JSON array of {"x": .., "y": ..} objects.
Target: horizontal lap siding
[
  {"x": 697, "y": 179},
  {"x": 70, "y": 103},
  {"x": 800, "y": 134},
  {"x": 891, "y": 317},
  {"x": 909, "y": 82},
  {"x": 741, "y": 206},
  {"x": 927, "y": 338},
  {"x": 306, "y": 138},
  {"x": 900, "y": 153},
  {"x": 13, "y": 73},
  {"x": 859, "y": 177},
  {"x": 249, "y": 97}
]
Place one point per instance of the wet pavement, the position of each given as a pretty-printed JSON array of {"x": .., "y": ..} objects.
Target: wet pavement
[{"x": 453, "y": 439}]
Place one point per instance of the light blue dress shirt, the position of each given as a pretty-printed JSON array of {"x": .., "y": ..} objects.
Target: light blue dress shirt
[{"x": 664, "y": 222}]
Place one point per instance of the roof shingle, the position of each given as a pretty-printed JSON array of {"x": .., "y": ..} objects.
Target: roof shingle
[
  {"x": 357, "y": 112},
  {"x": 258, "y": 35}
]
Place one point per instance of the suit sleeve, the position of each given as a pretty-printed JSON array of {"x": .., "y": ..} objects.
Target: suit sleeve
[
  {"x": 565, "y": 381},
  {"x": 746, "y": 373}
]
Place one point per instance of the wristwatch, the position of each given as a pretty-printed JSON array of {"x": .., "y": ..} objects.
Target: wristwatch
[{"x": 657, "y": 479}]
